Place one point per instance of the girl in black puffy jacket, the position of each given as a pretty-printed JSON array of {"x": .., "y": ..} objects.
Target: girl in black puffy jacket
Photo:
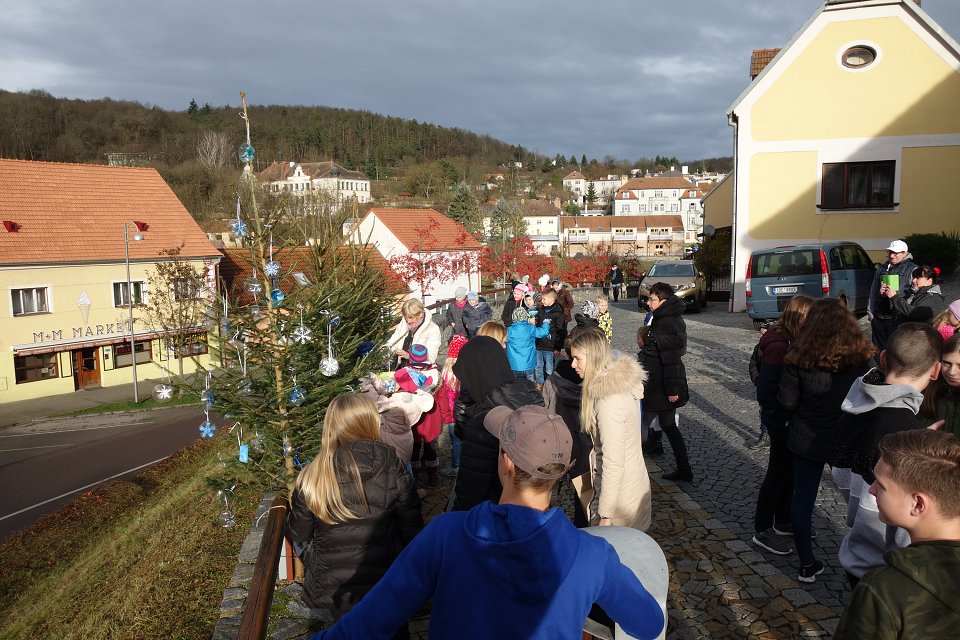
[{"x": 354, "y": 506}]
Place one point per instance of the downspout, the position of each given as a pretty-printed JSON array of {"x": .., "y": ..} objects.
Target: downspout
[{"x": 733, "y": 121}]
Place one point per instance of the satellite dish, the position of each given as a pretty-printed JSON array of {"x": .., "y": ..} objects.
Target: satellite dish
[{"x": 708, "y": 230}]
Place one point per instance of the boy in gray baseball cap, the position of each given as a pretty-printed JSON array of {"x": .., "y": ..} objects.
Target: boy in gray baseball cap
[{"x": 528, "y": 571}]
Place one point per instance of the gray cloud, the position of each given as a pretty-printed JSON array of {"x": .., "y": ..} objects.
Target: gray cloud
[{"x": 617, "y": 78}]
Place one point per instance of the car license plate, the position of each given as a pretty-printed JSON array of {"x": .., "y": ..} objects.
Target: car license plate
[{"x": 782, "y": 291}]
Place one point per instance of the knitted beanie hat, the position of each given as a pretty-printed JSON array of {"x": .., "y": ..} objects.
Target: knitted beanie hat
[
  {"x": 589, "y": 309},
  {"x": 456, "y": 343},
  {"x": 419, "y": 354},
  {"x": 520, "y": 314}
]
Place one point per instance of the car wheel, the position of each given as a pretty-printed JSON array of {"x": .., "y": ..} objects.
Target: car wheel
[{"x": 695, "y": 307}]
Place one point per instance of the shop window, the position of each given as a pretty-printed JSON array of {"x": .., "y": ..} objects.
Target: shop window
[
  {"x": 27, "y": 301},
  {"x": 122, "y": 353},
  {"x": 122, "y": 299},
  {"x": 42, "y": 366},
  {"x": 858, "y": 185},
  {"x": 189, "y": 346}
]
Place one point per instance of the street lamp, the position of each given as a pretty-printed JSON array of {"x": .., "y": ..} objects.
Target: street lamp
[{"x": 126, "y": 257}]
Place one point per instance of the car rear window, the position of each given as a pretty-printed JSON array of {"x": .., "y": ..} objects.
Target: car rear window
[
  {"x": 793, "y": 262},
  {"x": 671, "y": 270}
]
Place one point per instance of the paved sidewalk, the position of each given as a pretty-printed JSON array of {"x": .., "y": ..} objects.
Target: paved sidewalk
[{"x": 27, "y": 410}]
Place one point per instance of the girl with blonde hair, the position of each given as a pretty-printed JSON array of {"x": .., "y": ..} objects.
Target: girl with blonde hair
[
  {"x": 354, "y": 506},
  {"x": 617, "y": 491},
  {"x": 495, "y": 330}
]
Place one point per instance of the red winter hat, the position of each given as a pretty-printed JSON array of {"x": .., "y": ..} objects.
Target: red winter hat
[
  {"x": 410, "y": 380},
  {"x": 456, "y": 343}
]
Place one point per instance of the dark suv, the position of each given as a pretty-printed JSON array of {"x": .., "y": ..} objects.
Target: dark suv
[{"x": 830, "y": 270}]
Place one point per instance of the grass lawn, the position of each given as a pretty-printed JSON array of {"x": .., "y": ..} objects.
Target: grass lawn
[
  {"x": 149, "y": 403},
  {"x": 145, "y": 558}
]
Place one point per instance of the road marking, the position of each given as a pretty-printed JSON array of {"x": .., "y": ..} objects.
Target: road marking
[
  {"x": 46, "y": 433},
  {"x": 43, "y": 446},
  {"x": 92, "y": 484}
]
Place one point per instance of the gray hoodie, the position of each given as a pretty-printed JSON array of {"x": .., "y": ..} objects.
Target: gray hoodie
[{"x": 872, "y": 409}]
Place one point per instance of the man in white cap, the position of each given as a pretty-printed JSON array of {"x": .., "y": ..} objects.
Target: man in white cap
[
  {"x": 879, "y": 310},
  {"x": 517, "y": 569}
]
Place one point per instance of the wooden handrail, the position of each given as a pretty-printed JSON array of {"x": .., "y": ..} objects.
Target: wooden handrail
[{"x": 256, "y": 610}]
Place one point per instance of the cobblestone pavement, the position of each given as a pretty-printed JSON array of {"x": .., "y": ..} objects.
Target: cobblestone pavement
[{"x": 721, "y": 585}]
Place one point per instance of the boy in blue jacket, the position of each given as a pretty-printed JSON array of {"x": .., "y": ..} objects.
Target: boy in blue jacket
[
  {"x": 517, "y": 569},
  {"x": 522, "y": 337}
]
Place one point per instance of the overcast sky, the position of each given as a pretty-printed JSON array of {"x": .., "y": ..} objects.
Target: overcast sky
[{"x": 626, "y": 78}]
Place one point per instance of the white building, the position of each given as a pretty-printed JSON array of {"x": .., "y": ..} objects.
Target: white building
[
  {"x": 427, "y": 234},
  {"x": 604, "y": 188},
  {"x": 307, "y": 178},
  {"x": 663, "y": 196},
  {"x": 649, "y": 235}
]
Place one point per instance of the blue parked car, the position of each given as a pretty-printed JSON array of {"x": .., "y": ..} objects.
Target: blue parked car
[{"x": 830, "y": 270}]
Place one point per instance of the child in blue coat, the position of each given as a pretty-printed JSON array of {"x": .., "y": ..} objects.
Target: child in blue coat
[{"x": 522, "y": 337}]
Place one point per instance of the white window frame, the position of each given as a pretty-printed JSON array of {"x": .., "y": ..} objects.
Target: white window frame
[
  {"x": 17, "y": 293},
  {"x": 120, "y": 287}
]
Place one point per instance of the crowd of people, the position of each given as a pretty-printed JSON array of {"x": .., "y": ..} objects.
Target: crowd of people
[{"x": 540, "y": 396}]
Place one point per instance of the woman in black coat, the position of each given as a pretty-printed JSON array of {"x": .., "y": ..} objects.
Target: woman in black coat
[
  {"x": 819, "y": 368},
  {"x": 666, "y": 388},
  {"x": 924, "y": 302},
  {"x": 486, "y": 381},
  {"x": 354, "y": 506}
]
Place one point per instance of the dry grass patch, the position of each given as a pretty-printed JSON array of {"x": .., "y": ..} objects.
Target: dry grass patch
[{"x": 133, "y": 559}]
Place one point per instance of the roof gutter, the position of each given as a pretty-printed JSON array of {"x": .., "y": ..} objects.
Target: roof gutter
[{"x": 734, "y": 121}]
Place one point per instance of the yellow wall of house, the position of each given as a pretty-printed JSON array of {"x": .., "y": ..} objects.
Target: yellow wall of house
[
  {"x": 788, "y": 212},
  {"x": 718, "y": 206},
  {"x": 65, "y": 323},
  {"x": 909, "y": 90},
  {"x": 785, "y": 204}
]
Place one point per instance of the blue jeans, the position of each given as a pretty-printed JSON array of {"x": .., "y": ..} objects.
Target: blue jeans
[
  {"x": 545, "y": 360},
  {"x": 455, "y": 447},
  {"x": 524, "y": 375},
  {"x": 806, "y": 485}
]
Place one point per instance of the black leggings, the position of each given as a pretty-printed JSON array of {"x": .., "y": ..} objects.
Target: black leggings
[
  {"x": 668, "y": 423},
  {"x": 429, "y": 458}
]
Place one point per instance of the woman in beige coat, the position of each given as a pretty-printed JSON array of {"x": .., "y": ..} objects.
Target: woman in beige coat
[{"x": 610, "y": 413}]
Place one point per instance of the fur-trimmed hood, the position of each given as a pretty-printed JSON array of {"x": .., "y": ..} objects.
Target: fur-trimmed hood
[{"x": 623, "y": 375}]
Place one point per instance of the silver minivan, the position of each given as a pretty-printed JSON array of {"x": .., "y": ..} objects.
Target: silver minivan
[{"x": 830, "y": 270}]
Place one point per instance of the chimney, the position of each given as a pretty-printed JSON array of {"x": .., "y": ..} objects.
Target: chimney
[{"x": 685, "y": 170}]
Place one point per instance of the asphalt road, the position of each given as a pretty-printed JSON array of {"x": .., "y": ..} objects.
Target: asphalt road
[{"x": 45, "y": 464}]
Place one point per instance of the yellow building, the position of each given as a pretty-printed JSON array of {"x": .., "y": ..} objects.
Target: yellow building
[
  {"x": 64, "y": 319},
  {"x": 851, "y": 132}
]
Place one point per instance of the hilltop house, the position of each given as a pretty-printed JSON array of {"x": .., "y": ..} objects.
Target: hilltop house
[
  {"x": 65, "y": 324},
  {"x": 674, "y": 195},
  {"x": 604, "y": 188},
  {"x": 304, "y": 179},
  {"x": 871, "y": 158},
  {"x": 430, "y": 236}
]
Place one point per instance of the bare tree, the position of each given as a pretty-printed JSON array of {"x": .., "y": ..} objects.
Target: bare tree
[{"x": 213, "y": 149}]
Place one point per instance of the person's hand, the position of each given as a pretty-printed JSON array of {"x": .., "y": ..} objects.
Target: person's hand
[
  {"x": 403, "y": 354},
  {"x": 886, "y": 290},
  {"x": 936, "y": 425},
  {"x": 673, "y": 399}
]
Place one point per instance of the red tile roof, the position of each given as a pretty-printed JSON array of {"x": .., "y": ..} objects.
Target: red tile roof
[
  {"x": 574, "y": 175},
  {"x": 283, "y": 170},
  {"x": 70, "y": 213},
  {"x": 657, "y": 183},
  {"x": 236, "y": 267},
  {"x": 425, "y": 229},
  {"x": 760, "y": 59},
  {"x": 605, "y": 223}
]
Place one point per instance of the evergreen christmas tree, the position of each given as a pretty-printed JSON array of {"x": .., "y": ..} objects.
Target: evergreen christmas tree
[{"x": 303, "y": 321}]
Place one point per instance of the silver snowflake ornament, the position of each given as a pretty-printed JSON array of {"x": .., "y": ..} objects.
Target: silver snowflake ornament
[{"x": 302, "y": 334}]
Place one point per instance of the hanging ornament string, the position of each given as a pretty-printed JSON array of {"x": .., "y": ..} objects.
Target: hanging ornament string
[
  {"x": 272, "y": 268},
  {"x": 207, "y": 428},
  {"x": 302, "y": 334},
  {"x": 238, "y": 226},
  {"x": 329, "y": 365}
]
